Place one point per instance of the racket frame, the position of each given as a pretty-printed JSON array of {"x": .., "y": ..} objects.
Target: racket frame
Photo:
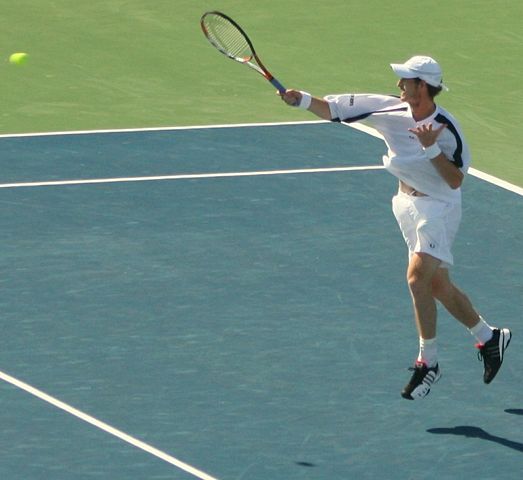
[{"x": 258, "y": 66}]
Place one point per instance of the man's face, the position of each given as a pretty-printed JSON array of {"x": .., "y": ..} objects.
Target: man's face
[{"x": 410, "y": 89}]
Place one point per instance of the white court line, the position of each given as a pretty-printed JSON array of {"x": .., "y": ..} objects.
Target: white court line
[
  {"x": 106, "y": 428},
  {"x": 161, "y": 129},
  {"x": 189, "y": 176},
  {"x": 476, "y": 173},
  {"x": 363, "y": 128},
  {"x": 496, "y": 181}
]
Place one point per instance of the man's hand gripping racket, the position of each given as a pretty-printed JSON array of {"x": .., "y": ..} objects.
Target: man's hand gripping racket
[{"x": 230, "y": 39}]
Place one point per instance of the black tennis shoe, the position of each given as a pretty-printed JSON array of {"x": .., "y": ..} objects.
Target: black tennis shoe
[
  {"x": 493, "y": 352},
  {"x": 422, "y": 379}
]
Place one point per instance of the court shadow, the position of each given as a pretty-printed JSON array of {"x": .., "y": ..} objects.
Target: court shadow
[
  {"x": 514, "y": 411},
  {"x": 476, "y": 432}
]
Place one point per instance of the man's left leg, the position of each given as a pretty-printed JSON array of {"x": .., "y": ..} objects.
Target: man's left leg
[{"x": 420, "y": 273}]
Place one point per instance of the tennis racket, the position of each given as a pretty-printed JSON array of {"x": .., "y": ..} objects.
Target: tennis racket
[{"x": 230, "y": 39}]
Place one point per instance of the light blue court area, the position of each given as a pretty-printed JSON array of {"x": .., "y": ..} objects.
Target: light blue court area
[{"x": 234, "y": 300}]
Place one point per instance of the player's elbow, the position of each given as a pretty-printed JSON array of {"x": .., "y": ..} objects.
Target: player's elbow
[{"x": 456, "y": 181}]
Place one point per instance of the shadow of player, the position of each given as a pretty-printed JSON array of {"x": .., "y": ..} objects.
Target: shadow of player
[
  {"x": 476, "y": 432},
  {"x": 514, "y": 411}
]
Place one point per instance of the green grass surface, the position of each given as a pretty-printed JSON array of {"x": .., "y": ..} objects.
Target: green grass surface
[{"x": 128, "y": 63}]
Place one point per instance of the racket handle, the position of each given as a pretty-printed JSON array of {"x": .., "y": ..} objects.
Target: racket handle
[{"x": 278, "y": 85}]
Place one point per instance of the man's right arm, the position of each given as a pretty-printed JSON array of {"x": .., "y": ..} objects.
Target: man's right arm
[{"x": 318, "y": 106}]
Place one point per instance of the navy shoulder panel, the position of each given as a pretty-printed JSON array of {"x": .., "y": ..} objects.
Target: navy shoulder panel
[{"x": 457, "y": 159}]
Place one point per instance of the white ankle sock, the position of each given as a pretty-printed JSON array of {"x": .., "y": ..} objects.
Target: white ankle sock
[
  {"x": 428, "y": 351},
  {"x": 482, "y": 331}
]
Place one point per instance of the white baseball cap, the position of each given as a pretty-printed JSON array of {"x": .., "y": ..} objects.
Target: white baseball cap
[{"x": 422, "y": 67}]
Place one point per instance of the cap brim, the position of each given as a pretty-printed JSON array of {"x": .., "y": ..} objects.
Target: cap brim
[{"x": 402, "y": 71}]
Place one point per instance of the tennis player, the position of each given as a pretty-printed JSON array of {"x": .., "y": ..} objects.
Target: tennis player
[{"x": 429, "y": 155}]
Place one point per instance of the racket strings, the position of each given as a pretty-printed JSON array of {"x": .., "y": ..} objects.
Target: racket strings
[{"x": 228, "y": 38}]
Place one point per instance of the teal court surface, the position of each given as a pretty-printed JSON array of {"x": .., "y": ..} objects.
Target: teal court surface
[{"x": 229, "y": 303}]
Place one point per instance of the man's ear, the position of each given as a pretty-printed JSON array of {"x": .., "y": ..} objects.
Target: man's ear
[{"x": 423, "y": 83}]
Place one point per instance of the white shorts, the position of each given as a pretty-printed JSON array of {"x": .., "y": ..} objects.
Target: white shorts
[{"x": 428, "y": 225}]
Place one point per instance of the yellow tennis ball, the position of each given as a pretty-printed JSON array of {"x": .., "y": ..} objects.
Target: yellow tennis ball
[{"x": 18, "y": 58}]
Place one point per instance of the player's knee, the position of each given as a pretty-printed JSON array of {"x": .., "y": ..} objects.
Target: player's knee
[
  {"x": 420, "y": 274},
  {"x": 419, "y": 282}
]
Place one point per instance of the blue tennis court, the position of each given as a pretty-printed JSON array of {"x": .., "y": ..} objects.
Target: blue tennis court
[{"x": 234, "y": 299}]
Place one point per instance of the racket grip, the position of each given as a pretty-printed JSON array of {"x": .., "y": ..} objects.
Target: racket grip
[{"x": 278, "y": 85}]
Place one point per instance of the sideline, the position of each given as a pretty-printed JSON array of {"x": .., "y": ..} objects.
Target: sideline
[{"x": 105, "y": 427}]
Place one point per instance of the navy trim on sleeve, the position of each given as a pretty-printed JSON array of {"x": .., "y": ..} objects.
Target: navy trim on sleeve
[{"x": 365, "y": 115}]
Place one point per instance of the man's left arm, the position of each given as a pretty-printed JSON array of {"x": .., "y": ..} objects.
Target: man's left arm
[
  {"x": 428, "y": 139},
  {"x": 450, "y": 173}
]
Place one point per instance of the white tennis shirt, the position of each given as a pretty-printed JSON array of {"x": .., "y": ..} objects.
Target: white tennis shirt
[{"x": 406, "y": 158}]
